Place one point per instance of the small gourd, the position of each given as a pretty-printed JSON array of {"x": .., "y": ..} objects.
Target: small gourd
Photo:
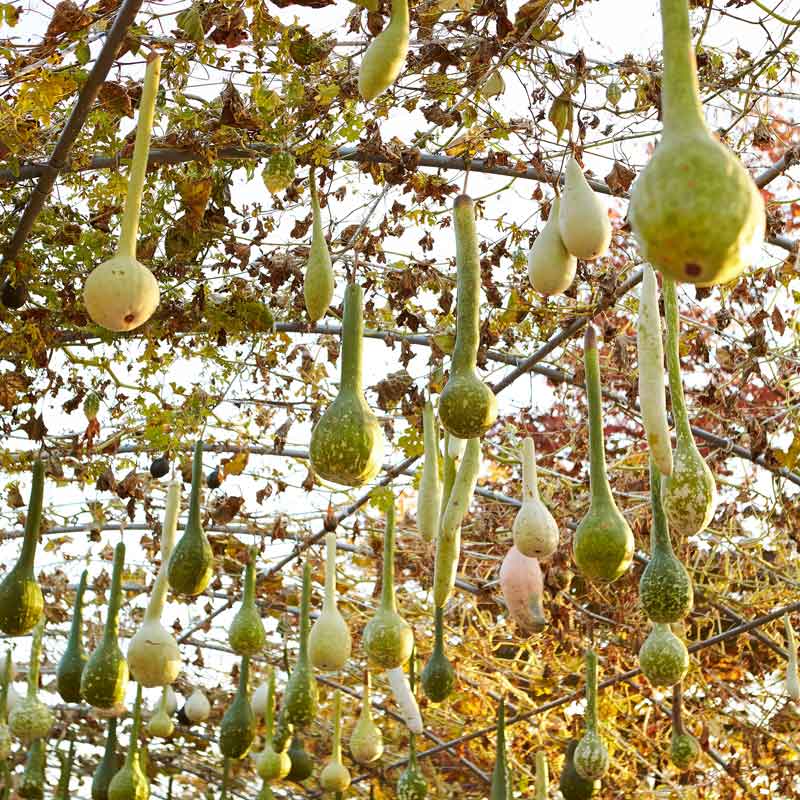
[
  {"x": 259, "y": 700},
  {"x": 191, "y": 563},
  {"x": 318, "y": 281},
  {"x": 153, "y": 654},
  {"x": 582, "y": 219},
  {"x": 551, "y": 267},
  {"x": 161, "y": 723},
  {"x": 438, "y": 676},
  {"x": 278, "y": 174},
  {"x": 522, "y": 585},
  {"x": 695, "y": 211},
  {"x": 5, "y": 733},
  {"x": 591, "y": 754},
  {"x": 571, "y": 785},
  {"x": 272, "y": 765},
  {"x": 302, "y": 763},
  {"x": 535, "y": 531},
  {"x": 121, "y": 294},
  {"x": 388, "y": 638},
  {"x": 429, "y": 497},
  {"x": 467, "y": 406},
  {"x": 109, "y": 765},
  {"x": 335, "y": 777},
  {"x": 197, "y": 708},
  {"x": 347, "y": 441},
  {"x": 105, "y": 674},
  {"x": 385, "y": 56},
  {"x": 411, "y": 785},
  {"x": 663, "y": 658},
  {"x": 330, "y": 643},
  {"x": 70, "y": 667},
  {"x": 31, "y": 719},
  {"x": 792, "y": 677},
  {"x": 366, "y": 740},
  {"x": 542, "y": 776},
  {"x": 603, "y": 542},
  {"x": 21, "y": 600},
  {"x": 247, "y": 636},
  {"x": 500, "y": 788},
  {"x": 33, "y": 779},
  {"x": 131, "y": 783},
  {"x": 238, "y": 727},
  {"x": 684, "y": 749},
  {"x": 62, "y": 790}
]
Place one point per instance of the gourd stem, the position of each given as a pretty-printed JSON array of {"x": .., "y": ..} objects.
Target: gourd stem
[
  {"x": 682, "y": 425},
  {"x": 133, "y": 745},
  {"x": 115, "y": 600},
  {"x": 248, "y": 598},
  {"x": 193, "y": 520},
  {"x": 412, "y": 751},
  {"x": 329, "y": 603},
  {"x": 270, "y": 715},
  {"x": 316, "y": 215},
  {"x": 430, "y": 433},
  {"x": 352, "y": 335},
  {"x": 468, "y": 280},
  {"x": 33, "y": 520},
  {"x": 76, "y": 627},
  {"x": 305, "y": 602},
  {"x": 388, "y": 602},
  {"x": 6, "y": 682},
  {"x": 677, "y": 708},
  {"x": 144, "y": 130},
  {"x": 36, "y": 657},
  {"x": 111, "y": 740},
  {"x": 438, "y": 628},
  {"x": 598, "y": 480},
  {"x": 226, "y": 771},
  {"x": 366, "y": 699},
  {"x": 791, "y": 643},
  {"x": 591, "y": 691},
  {"x": 399, "y": 17},
  {"x": 530, "y": 482},
  {"x": 244, "y": 677},
  {"x": 659, "y": 532},
  {"x": 542, "y": 775},
  {"x": 448, "y": 477},
  {"x": 336, "y": 753},
  {"x": 158, "y": 597}
]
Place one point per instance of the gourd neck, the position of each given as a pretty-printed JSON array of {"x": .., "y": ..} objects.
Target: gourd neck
[
  {"x": 468, "y": 281},
  {"x": 388, "y": 601},
  {"x": 438, "y": 628},
  {"x": 677, "y": 709},
  {"x": 193, "y": 521},
  {"x": 430, "y": 433},
  {"x": 144, "y": 131},
  {"x": 249, "y": 594},
  {"x": 244, "y": 678},
  {"x": 366, "y": 700},
  {"x": 5, "y": 682},
  {"x": 399, "y": 16},
  {"x": 270, "y": 715},
  {"x": 412, "y": 752},
  {"x": 791, "y": 643},
  {"x": 659, "y": 531},
  {"x": 591, "y": 691},
  {"x": 112, "y": 621},
  {"x": 77, "y": 616},
  {"x": 530, "y": 481},
  {"x": 36, "y": 658},
  {"x": 352, "y": 335},
  {"x": 159, "y": 594},
  {"x": 66, "y": 771},
  {"x": 133, "y": 746},
  {"x": 317, "y": 234},
  {"x": 329, "y": 603},
  {"x": 679, "y": 413},
  {"x": 305, "y": 603},
  {"x": 681, "y": 109},
  {"x": 542, "y": 775},
  {"x": 501, "y": 737},
  {"x": 598, "y": 480},
  {"x": 226, "y": 773},
  {"x": 336, "y": 750},
  {"x": 33, "y": 520},
  {"x": 448, "y": 476},
  {"x": 111, "y": 741}
]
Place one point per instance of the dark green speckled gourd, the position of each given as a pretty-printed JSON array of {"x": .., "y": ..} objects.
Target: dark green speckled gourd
[
  {"x": 110, "y": 764},
  {"x": 131, "y": 783},
  {"x": 591, "y": 754},
  {"x": 438, "y": 676},
  {"x": 21, "y": 600},
  {"x": 32, "y": 785},
  {"x": 238, "y": 727},
  {"x": 62, "y": 791},
  {"x": 684, "y": 749},
  {"x": 347, "y": 441},
  {"x": 500, "y": 788},
  {"x": 663, "y": 657},
  {"x": 70, "y": 667},
  {"x": 411, "y": 785},
  {"x": 246, "y": 635},
  {"x": 105, "y": 674},
  {"x": 571, "y": 785}
]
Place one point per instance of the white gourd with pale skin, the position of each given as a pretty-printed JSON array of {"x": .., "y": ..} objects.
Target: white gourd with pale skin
[
  {"x": 522, "y": 585},
  {"x": 259, "y": 700},
  {"x": 121, "y": 294},
  {"x": 330, "y": 643},
  {"x": 386, "y": 55},
  {"x": 652, "y": 396},
  {"x": 429, "y": 497},
  {"x": 535, "y": 531},
  {"x": 335, "y": 777},
  {"x": 792, "y": 676},
  {"x": 582, "y": 219},
  {"x": 366, "y": 740},
  {"x": 170, "y": 700},
  {"x": 271, "y": 765},
  {"x": 160, "y": 723},
  {"x": 154, "y": 658},
  {"x": 551, "y": 267},
  {"x": 404, "y": 697},
  {"x": 197, "y": 708}
]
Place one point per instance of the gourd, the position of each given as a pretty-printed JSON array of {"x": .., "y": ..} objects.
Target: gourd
[
  {"x": 571, "y": 785},
  {"x": 335, "y": 777},
  {"x": 105, "y": 674},
  {"x": 429, "y": 497},
  {"x": 665, "y": 588},
  {"x": 131, "y": 783},
  {"x": 404, "y": 697},
  {"x": 21, "y": 600},
  {"x": 62, "y": 791},
  {"x": 535, "y": 531},
  {"x": 582, "y": 219},
  {"x": 684, "y": 749},
  {"x": 238, "y": 727},
  {"x": 438, "y": 676},
  {"x": 542, "y": 776},
  {"x": 551, "y": 267},
  {"x": 663, "y": 658},
  {"x": 652, "y": 399},
  {"x": 272, "y": 765},
  {"x": 109, "y": 765},
  {"x": 33, "y": 780},
  {"x": 792, "y": 676},
  {"x": 160, "y": 723},
  {"x": 690, "y": 492},
  {"x": 5, "y": 733},
  {"x": 318, "y": 281},
  {"x": 411, "y": 785},
  {"x": 259, "y": 700},
  {"x": 247, "y": 636},
  {"x": 522, "y": 586},
  {"x": 366, "y": 740},
  {"x": 329, "y": 643},
  {"x": 347, "y": 441},
  {"x": 159, "y": 466},
  {"x": 153, "y": 654},
  {"x": 302, "y": 765},
  {"x": 197, "y": 708},
  {"x": 500, "y": 788},
  {"x": 385, "y": 56},
  {"x": 694, "y": 209},
  {"x": 455, "y": 449},
  {"x": 192, "y": 560},
  {"x": 388, "y": 638},
  {"x": 31, "y": 719},
  {"x": 170, "y": 700},
  {"x": 278, "y": 174},
  {"x": 467, "y": 406},
  {"x": 591, "y": 755},
  {"x": 603, "y": 542},
  {"x": 121, "y": 294},
  {"x": 70, "y": 667}
]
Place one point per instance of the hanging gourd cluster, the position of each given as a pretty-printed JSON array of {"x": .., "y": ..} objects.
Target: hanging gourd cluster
[{"x": 681, "y": 227}]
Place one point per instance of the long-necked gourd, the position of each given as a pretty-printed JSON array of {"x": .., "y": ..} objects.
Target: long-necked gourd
[
  {"x": 404, "y": 696},
  {"x": 197, "y": 707},
  {"x": 438, "y": 676},
  {"x": 535, "y": 531},
  {"x": 542, "y": 789},
  {"x": 411, "y": 785},
  {"x": 571, "y": 785},
  {"x": 246, "y": 635},
  {"x": 62, "y": 790},
  {"x": 385, "y": 56},
  {"x": 121, "y": 294},
  {"x": 70, "y": 666},
  {"x": 582, "y": 218},
  {"x": 663, "y": 657},
  {"x": 347, "y": 441},
  {"x": 302, "y": 763},
  {"x": 31, "y": 719},
  {"x": 32, "y": 784},
  {"x": 5, "y": 733},
  {"x": 652, "y": 396},
  {"x": 591, "y": 754},
  {"x": 467, "y": 406},
  {"x": 105, "y": 674},
  {"x": 21, "y": 600},
  {"x": 676, "y": 209},
  {"x": 690, "y": 492},
  {"x": 330, "y": 643},
  {"x": 366, "y": 740},
  {"x": 161, "y": 723},
  {"x": 154, "y": 658},
  {"x": 130, "y": 782},
  {"x": 522, "y": 585},
  {"x": 388, "y": 638},
  {"x": 551, "y": 267},
  {"x": 684, "y": 749},
  {"x": 272, "y": 765},
  {"x": 500, "y": 788},
  {"x": 792, "y": 682},
  {"x": 109, "y": 765},
  {"x": 429, "y": 496},
  {"x": 238, "y": 727},
  {"x": 192, "y": 561},
  {"x": 335, "y": 777},
  {"x": 318, "y": 281},
  {"x": 603, "y": 542}
]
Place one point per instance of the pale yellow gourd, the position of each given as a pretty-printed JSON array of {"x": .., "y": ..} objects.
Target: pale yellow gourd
[
  {"x": 366, "y": 740},
  {"x": 429, "y": 497},
  {"x": 318, "y": 282},
  {"x": 335, "y": 777},
  {"x": 161, "y": 724},
  {"x": 271, "y": 765},
  {"x": 197, "y": 708},
  {"x": 535, "y": 531},
  {"x": 551, "y": 267},
  {"x": 582, "y": 219},
  {"x": 385, "y": 57},
  {"x": 792, "y": 677}
]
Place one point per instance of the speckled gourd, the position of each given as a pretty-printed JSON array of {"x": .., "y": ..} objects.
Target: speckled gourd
[
  {"x": 161, "y": 723},
  {"x": 582, "y": 218},
  {"x": 467, "y": 406},
  {"x": 237, "y": 730},
  {"x": 591, "y": 755},
  {"x": 70, "y": 666},
  {"x": 438, "y": 676},
  {"x": 271, "y": 764},
  {"x": 684, "y": 749},
  {"x": 535, "y": 531},
  {"x": 366, "y": 740},
  {"x": 347, "y": 441},
  {"x": 130, "y": 782},
  {"x": 411, "y": 785},
  {"x": 551, "y": 267},
  {"x": 335, "y": 777},
  {"x": 318, "y": 282},
  {"x": 663, "y": 658},
  {"x": 246, "y": 635},
  {"x": 32, "y": 785},
  {"x": 695, "y": 211},
  {"x": 571, "y": 785},
  {"x": 429, "y": 496},
  {"x": 109, "y": 765},
  {"x": 31, "y": 719},
  {"x": 500, "y": 788},
  {"x": 386, "y": 55},
  {"x": 792, "y": 682},
  {"x": 522, "y": 585}
]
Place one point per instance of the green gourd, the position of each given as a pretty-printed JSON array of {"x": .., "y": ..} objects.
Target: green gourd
[
  {"x": 105, "y": 674},
  {"x": 5, "y": 733},
  {"x": 690, "y": 492},
  {"x": 571, "y": 785},
  {"x": 247, "y": 636},
  {"x": 684, "y": 749},
  {"x": 21, "y": 600},
  {"x": 429, "y": 497},
  {"x": 70, "y": 667},
  {"x": 500, "y": 787},
  {"x": 109, "y": 765},
  {"x": 542, "y": 776},
  {"x": 438, "y": 676},
  {"x": 62, "y": 791},
  {"x": 33, "y": 779},
  {"x": 694, "y": 209},
  {"x": 535, "y": 531},
  {"x": 792, "y": 682},
  {"x": 161, "y": 723},
  {"x": 551, "y": 267},
  {"x": 582, "y": 220},
  {"x": 31, "y": 719},
  {"x": 591, "y": 754},
  {"x": 388, "y": 638},
  {"x": 302, "y": 763},
  {"x": 335, "y": 777},
  {"x": 347, "y": 441},
  {"x": 411, "y": 785},
  {"x": 467, "y": 406},
  {"x": 603, "y": 542},
  {"x": 272, "y": 765},
  {"x": 366, "y": 740},
  {"x": 330, "y": 643},
  {"x": 192, "y": 561},
  {"x": 130, "y": 782},
  {"x": 318, "y": 282},
  {"x": 385, "y": 56},
  {"x": 663, "y": 658},
  {"x": 238, "y": 727}
]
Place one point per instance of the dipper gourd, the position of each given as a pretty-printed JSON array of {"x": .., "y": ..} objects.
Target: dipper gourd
[
  {"x": 31, "y": 719},
  {"x": 366, "y": 740},
  {"x": 238, "y": 727},
  {"x": 663, "y": 657},
  {"x": 429, "y": 496},
  {"x": 318, "y": 282},
  {"x": 385, "y": 56},
  {"x": 582, "y": 218},
  {"x": 109, "y": 765},
  {"x": 70, "y": 666},
  {"x": 335, "y": 777},
  {"x": 522, "y": 586},
  {"x": 438, "y": 676},
  {"x": 535, "y": 531},
  {"x": 246, "y": 635},
  {"x": 591, "y": 754},
  {"x": 272, "y": 765},
  {"x": 131, "y": 783},
  {"x": 551, "y": 267}
]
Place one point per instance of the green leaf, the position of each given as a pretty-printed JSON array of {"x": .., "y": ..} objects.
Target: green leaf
[{"x": 190, "y": 24}]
